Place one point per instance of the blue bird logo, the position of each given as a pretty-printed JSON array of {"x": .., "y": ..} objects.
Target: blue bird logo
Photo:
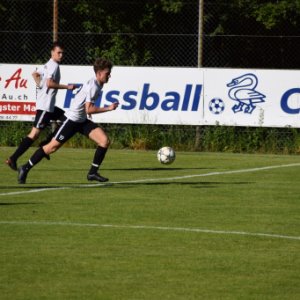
[{"x": 242, "y": 90}]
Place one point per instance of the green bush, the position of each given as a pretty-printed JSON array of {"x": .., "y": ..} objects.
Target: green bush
[{"x": 186, "y": 138}]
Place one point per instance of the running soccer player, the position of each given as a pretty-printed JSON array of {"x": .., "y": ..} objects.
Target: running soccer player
[
  {"x": 76, "y": 120},
  {"x": 47, "y": 80}
]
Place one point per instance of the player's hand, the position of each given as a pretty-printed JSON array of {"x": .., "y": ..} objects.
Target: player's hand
[
  {"x": 114, "y": 105},
  {"x": 72, "y": 86},
  {"x": 37, "y": 79}
]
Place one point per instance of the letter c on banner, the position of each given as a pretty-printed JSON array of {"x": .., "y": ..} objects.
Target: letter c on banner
[{"x": 284, "y": 101}]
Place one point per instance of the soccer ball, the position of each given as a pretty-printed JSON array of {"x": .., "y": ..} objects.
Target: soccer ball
[
  {"x": 166, "y": 155},
  {"x": 216, "y": 106}
]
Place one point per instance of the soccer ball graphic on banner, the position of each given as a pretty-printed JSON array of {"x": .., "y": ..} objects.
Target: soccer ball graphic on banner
[
  {"x": 216, "y": 106},
  {"x": 166, "y": 155}
]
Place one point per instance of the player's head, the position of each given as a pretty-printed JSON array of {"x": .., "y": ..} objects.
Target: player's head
[
  {"x": 57, "y": 51},
  {"x": 102, "y": 69}
]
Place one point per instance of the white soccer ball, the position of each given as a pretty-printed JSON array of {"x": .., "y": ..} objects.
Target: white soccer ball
[{"x": 166, "y": 155}]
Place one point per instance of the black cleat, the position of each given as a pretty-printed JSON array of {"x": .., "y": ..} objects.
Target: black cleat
[
  {"x": 22, "y": 175},
  {"x": 12, "y": 164},
  {"x": 96, "y": 177}
]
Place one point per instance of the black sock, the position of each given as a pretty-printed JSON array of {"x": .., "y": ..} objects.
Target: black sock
[
  {"x": 98, "y": 158},
  {"x": 23, "y": 147},
  {"x": 35, "y": 158}
]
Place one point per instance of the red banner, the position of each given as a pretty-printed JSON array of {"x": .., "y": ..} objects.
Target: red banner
[{"x": 17, "y": 108}]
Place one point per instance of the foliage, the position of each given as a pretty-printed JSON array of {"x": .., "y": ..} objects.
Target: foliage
[
  {"x": 171, "y": 6},
  {"x": 155, "y": 32},
  {"x": 266, "y": 31},
  {"x": 152, "y": 137},
  {"x": 123, "y": 47},
  {"x": 273, "y": 15}
]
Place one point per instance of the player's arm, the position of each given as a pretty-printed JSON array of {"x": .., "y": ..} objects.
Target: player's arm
[
  {"x": 90, "y": 108},
  {"x": 51, "y": 84},
  {"x": 37, "y": 78}
]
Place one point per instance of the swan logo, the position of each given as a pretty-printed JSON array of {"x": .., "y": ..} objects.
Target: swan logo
[{"x": 243, "y": 90}]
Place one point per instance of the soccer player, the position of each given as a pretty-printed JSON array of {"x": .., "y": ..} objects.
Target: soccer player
[
  {"x": 47, "y": 80},
  {"x": 77, "y": 119}
]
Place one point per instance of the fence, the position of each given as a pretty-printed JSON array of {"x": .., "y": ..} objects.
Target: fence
[{"x": 148, "y": 33}]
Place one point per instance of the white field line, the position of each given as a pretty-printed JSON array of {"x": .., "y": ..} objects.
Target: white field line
[
  {"x": 37, "y": 190},
  {"x": 142, "y": 227}
]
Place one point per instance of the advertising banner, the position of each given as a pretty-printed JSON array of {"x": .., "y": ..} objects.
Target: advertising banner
[
  {"x": 182, "y": 96},
  {"x": 17, "y": 93},
  {"x": 269, "y": 98}
]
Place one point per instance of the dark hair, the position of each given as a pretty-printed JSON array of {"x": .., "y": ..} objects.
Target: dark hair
[
  {"x": 57, "y": 44},
  {"x": 101, "y": 64}
]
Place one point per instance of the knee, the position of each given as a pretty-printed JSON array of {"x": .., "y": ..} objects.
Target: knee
[
  {"x": 104, "y": 142},
  {"x": 34, "y": 134},
  {"x": 49, "y": 148}
]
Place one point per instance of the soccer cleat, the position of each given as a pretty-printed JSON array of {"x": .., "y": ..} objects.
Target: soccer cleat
[
  {"x": 22, "y": 175},
  {"x": 12, "y": 164},
  {"x": 96, "y": 177}
]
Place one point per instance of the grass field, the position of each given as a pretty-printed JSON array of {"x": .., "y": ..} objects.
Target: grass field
[{"x": 209, "y": 226}]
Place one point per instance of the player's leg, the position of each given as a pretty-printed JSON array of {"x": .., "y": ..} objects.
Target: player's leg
[
  {"x": 65, "y": 132},
  {"x": 37, "y": 156},
  {"x": 56, "y": 120},
  {"x": 40, "y": 122},
  {"x": 99, "y": 136},
  {"x": 22, "y": 148}
]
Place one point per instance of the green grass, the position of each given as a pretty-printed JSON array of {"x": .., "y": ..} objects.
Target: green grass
[{"x": 54, "y": 245}]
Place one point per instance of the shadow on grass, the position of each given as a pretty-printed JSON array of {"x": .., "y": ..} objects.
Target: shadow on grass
[
  {"x": 205, "y": 184},
  {"x": 163, "y": 168},
  {"x": 156, "y": 169},
  {"x": 37, "y": 186},
  {"x": 125, "y": 184},
  {"x": 17, "y": 203}
]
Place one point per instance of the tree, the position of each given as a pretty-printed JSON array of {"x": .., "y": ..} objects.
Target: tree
[
  {"x": 118, "y": 29},
  {"x": 252, "y": 33}
]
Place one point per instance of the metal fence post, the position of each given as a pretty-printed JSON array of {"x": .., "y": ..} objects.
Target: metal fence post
[
  {"x": 55, "y": 20},
  {"x": 200, "y": 58}
]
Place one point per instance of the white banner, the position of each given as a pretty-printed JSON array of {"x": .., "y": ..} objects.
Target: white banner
[
  {"x": 187, "y": 96},
  {"x": 17, "y": 93}
]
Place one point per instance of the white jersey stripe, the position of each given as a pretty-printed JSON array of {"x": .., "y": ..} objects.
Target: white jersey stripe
[{"x": 40, "y": 119}]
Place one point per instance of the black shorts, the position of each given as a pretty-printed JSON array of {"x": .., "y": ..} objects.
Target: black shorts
[
  {"x": 69, "y": 128},
  {"x": 43, "y": 118}
]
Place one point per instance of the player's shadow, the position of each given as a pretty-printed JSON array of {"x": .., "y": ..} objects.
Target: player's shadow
[
  {"x": 156, "y": 169},
  {"x": 202, "y": 184},
  {"x": 17, "y": 203},
  {"x": 132, "y": 169},
  {"x": 29, "y": 187}
]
